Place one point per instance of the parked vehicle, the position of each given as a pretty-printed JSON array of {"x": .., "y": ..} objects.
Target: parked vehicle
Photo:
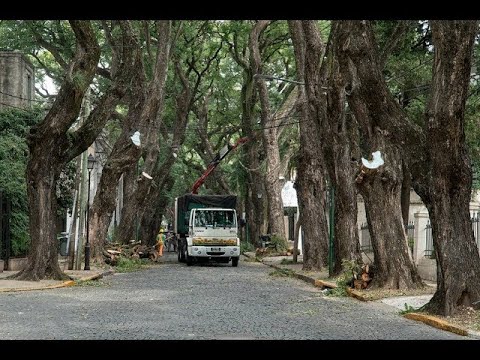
[{"x": 206, "y": 228}]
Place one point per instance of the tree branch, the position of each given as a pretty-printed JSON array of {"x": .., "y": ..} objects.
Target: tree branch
[
  {"x": 397, "y": 34},
  {"x": 49, "y": 47}
]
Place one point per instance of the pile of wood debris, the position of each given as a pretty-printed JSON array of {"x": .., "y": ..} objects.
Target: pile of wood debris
[
  {"x": 361, "y": 280},
  {"x": 135, "y": 250},
  {"x": 271, "y": 251}
]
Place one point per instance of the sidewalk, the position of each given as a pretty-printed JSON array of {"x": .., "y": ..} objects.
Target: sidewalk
[
  {"x": 9, "y": 285},
  {"x": 320, "y": 279}
]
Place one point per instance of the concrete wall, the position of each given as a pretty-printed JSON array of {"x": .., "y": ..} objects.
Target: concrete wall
[
  {"x": 16, "y": 264},
  {"x": 427, "y": 269},
  {"x": 17, "y": 80}
]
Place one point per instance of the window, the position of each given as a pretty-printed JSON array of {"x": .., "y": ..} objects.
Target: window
[{"x": 215, "y": 218}]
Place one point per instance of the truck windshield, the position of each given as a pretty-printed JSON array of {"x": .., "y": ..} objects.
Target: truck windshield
[{"x": 215, "y": 218}]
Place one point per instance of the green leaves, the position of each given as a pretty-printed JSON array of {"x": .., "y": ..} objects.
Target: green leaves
[{"x": 14, "y": 127}]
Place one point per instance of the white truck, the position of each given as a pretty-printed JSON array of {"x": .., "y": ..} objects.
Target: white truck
[{"x": 206, "y": 228}]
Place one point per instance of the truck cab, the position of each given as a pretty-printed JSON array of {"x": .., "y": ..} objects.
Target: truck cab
[
  {"x": 213, "y": 235},
  {"x": 207, "y": 228}
]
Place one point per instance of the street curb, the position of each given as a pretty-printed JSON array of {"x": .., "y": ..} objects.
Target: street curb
[
  {"x": 321, "y": 283},
  {"x": 308, "y": 279},
  {"x": 63, "y": 284},
  {"x": 426, "y": 319},
  {"x": 66, "y": 283},
  {"x": 94, "y": 277},
  {"x": 249, "y": 256},
  {"x": 437, "y": 323}
]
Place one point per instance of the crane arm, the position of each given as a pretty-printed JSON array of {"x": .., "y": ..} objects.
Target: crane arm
[{"x": 214, "y": 163}]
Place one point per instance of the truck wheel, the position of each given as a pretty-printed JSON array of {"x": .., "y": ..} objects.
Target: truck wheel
[
  {"x": 235, "y": 261},
  {"x": 188, "y": 258},
  {"x": 180, "y": 253}
]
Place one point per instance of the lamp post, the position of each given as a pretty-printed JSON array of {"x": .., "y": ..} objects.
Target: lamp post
[{"x": 90, "y": 165}]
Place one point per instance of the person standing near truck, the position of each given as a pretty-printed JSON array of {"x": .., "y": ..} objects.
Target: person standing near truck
[{"x": 160, "y": 241}]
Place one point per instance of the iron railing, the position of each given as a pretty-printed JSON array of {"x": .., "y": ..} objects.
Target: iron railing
[
  {"x": 429, "y": 249},
  {"x": 365, "y": 241}
]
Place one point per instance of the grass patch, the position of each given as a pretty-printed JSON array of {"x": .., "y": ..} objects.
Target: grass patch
[
  {"x": 465, "y": 317},
  {"x": 288, "y": 262},
  {"x": 128, "y": 265},
  {"x": 377, "y": 294},
  {"x": 94, "y": 283},
  {"x": 282, "y": 273},
  {"x": 408, "y": 309},
  {"x": 344, "y": 278},
  {"x": 246, "y": 247}
]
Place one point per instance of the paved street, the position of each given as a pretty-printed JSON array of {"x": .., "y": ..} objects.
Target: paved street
[{"x": 173, "y": 301}]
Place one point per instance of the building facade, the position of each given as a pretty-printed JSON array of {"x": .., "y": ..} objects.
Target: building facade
[{"x": 17, "y": 80}]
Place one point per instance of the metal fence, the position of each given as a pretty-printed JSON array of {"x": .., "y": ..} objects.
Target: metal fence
[
  {"x": 429, "y": 250},
  {"x": 365, "y": 241},
  {"x": 429, "y": 253},
  {"x": 410, "y": 230},
  {"x": 476, "y": 229}
]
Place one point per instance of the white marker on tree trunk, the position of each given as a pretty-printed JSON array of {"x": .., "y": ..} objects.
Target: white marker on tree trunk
[
  {"x": 370, "y": 166},
  {"x": 136, "y": 138},
  {"x": 146, "y": 175},
  {"x": 376, "y": 161}
]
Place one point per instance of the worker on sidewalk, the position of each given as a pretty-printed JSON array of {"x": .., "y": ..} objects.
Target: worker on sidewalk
[{"x": 160, "y": 241}]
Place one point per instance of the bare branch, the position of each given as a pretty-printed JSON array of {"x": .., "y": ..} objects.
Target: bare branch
[
  {"x": 48, "y": 46},
  {"x": 45, "y": 68}
]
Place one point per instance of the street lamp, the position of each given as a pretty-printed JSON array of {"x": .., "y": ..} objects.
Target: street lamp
[{"x": 90, "y": 165}]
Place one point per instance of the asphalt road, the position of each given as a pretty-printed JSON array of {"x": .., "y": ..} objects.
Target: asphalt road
[{"x": 173, "y": 301}]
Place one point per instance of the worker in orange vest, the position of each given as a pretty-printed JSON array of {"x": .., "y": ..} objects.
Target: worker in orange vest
[{"x": 160, "y": 241}]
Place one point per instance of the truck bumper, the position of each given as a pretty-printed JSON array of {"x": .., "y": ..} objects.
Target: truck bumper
[{"x": 214, "y": 251}]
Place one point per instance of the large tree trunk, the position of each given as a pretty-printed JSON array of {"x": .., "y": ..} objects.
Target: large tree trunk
[
  {"x": 43, "y": 257},
  {"x": 131, "y": 214},
  {"x": 310, "y": 182},
  {"x": 451, "y": 174},
  {"x": 129, "y": 178},
  {"x": 341, "y": 138},
  {"x": 53, "y": 139},
  {"x": 254, "y": 208},
  {"x": 346, "y": 244},
  {"x": 47, "y": 143},
  {"x": 125, "y": 154},
  {"x": 437, "y": 158},
  {"x": 405, "y": 194},
  {"x": 394, "y": 265},
  {"x": 155, "y": 209},
  {"x": 273, "y": 185},
  {"x": 253, "y": 188}
]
